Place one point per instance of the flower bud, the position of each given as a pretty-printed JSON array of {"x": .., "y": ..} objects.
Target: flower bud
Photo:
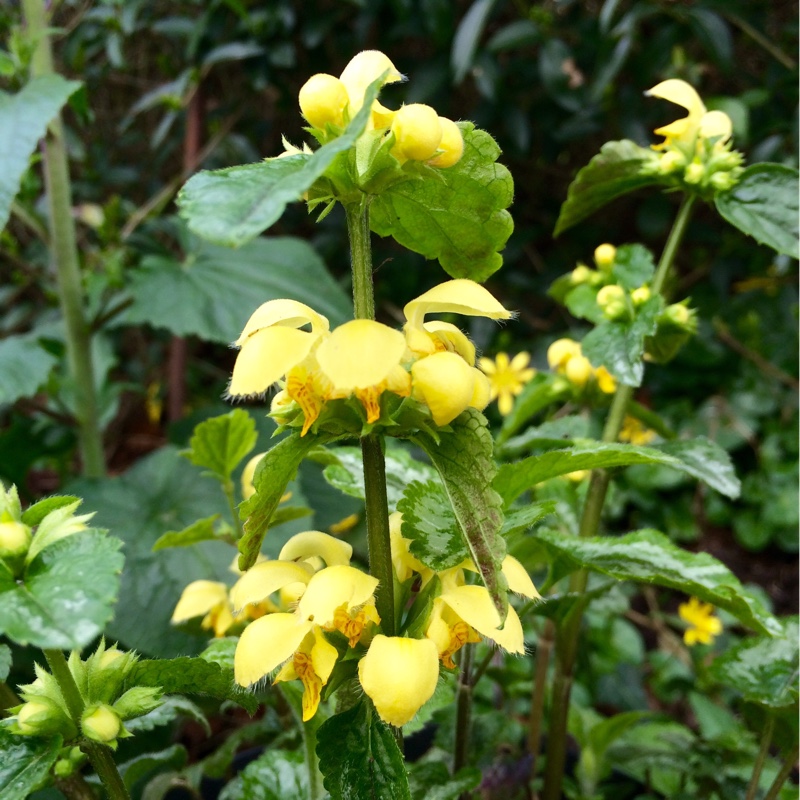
[
  {"x": 723, "y": 181},
  {"x": 640, "y": 296},
  {"x": 578, "y": 370},
  {"x": 41, "y": 716},
  {"x": 451, "y": 145},
  {"x": 604, "y": 256},
  {"x": 101, "y": 723},
  {"x": 561, "y": 351},
  {"x": 581, "y": 274},
  {"x": 671, "y": 161},
  {"x": 681, "y": 316},
  {"x": 417, "y": 131},
  {"x": 612, "y": 300},
  {"x": 694, "y": 173},
  {"x": 15, "y": 538},
  {"x": 137, "y": 701},
  {"x": 577, "y": 476},
  {"x": 323, "y": 99}
]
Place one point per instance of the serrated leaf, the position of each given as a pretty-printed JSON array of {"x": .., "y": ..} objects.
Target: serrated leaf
[
  {"x": 619, "y": 346},
  {"x": 232, "y": 206},
  {"x": 763, "y": 669},
  {"x": 170, "y": 709},
  {"x": 521, "y": 519},
  {"x": 24, "y": 366},
  {"x": 347, "y": 473},
  {"x": 550, "y": 434},
  {"x": 613, "y": 172},
  {"x": 540, "y": 392},
  {"x": 201, "y": 531},
  {"x": 5, "y": 661},
  {"x": 705, "y": 460},
  {"x": 633, "y": 266},
  {"x": 648, "y": 556},
  {"x": 219, "y": 287},
  {"x": 431, "y": 526},
  {"x": 359, "y": 757},
  {"x": 457, "y": 216},
  {"x": 191, "y": 676},
  {"x": 220, "y": 443},
  {"x": 274, "y": 775},
  {"x": 66, "y": 594},
  {"x": 24, "y": 118},
  {"x": 34, "y": 514},
  {"x": 465, "y": 462},
  {"x": 221, "y": 651},
  {"x": 25, "y": 763},
  {"x": 764, "y": 205},
  {"x": 431, "y": 780},
  {"x": 274, "y": 471}
]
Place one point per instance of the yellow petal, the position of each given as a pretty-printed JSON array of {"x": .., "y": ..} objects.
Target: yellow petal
[
  {"x": 451, "y": 148},
  {"x": 323, "y": 656},
  {"x": 198, "y": 598},
  {"x": 518, "y": 579},
  {"x": 452, "y": 339},
  {"x": 399, "y": 675},
  {"x": 716, "y": 123},
  {"x": 481, "y": 392},
  {"x": 265, "y": 644},
  {"x": 474, "y": 605},
  {"x": 260, "y": 581},
  {"x": 286, "y": 313},
  {"x": 323, "y": 100},
  {"x": 680, "y": 93},
  {"x": 267, "y": 356},
  {"x": 460, "y": 296},
  {"x": 360, "y": 354},
  {"x": 331, "y": 588},
  {"x": 315, "y": 543},
  {"x": 445, "y": 383},
  {"x": 248, "y": 473},
  {"x": 561, "y": 351},
  {"x": 362, "y": 70},
  {"x": 417, "y": 132},
  {"x": 438, "y": 630}
]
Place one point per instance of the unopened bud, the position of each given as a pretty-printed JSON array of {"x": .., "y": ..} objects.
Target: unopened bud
[
  {"x": 612, "y": 300},
  {"x": 41, "y": 716},
  {"x": 604, "y": 256},
  {"x": 581, "y": 274},
  {"x": 723, "y": 181},
  {"x": 694, "y": 173},
  {"x": 681, "y": 316},
  {"x": 323, "y": 99},
  {"x": 578, "y": 370},
  {"x": 451, "y": 145},
  {"x": 417, "y": 131},
  {"x": 248, "y": 473},
  {"x": 641, "y": 295},
  {"x": 561, "y": 351},
  {"x": 101, "y": 724},
  {"x": 670, "y": 162},
  {"x": 15, "y": 538}
]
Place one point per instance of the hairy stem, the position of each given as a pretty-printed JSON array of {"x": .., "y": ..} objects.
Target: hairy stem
[
  {"x": 763, "y": 751},
  {"x": 463, "y": 710},
  {"x": 568, "y": 636},
  {"x": 543, "y": 650},
  {"x": 65, "y": 257},
  {"x": 99, "y": 755}
]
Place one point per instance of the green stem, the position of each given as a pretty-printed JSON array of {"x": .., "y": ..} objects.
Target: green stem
[
  {"x": 315, "y": 789},
  {"x": 8, "y": 698},
  {"x": 75, "y": 788},
  {"x": 543, "y": 649},
  {"x": 377, "y": 507},
  {"x": 463, "y": 710},
  {"x": 567, "y": 638},
  {"x": 763, "y": 751},
  {"x": 99, "y": 755},
  {"x": 65, "y": 257},
  {"x": 227, "y": 488},
  {"x": 781, "y": 777}
]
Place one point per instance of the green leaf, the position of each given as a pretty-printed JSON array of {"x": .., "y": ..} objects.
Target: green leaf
[
  {"x": 540, "y": 392},
  {"x": 220, "y": 443},
  {"x": 5, "y": 661},
  {"x": 191, "y": 676},
  {"x": 764, "y": 205},
  {"x": 466, "y": 465},
  {"x": 347, "y": 474},
  {"x": 431, "y": 525},
  {"x": 648, "y": 556},
  {"x": 169, "y": 710},
  {"x": 24, "y": 118},
  {"x": 137, "y": 772},
  {"x": 431, "y": 780},
  {"x": 219, "y": 288},
  {"x": 522, "y": 518},
  {"x": 66, "y": 594},
  {"x": 25, "y": 763},
  {"x": 274, "y": 775},
  {"x": 551, "y": 434},
  {"x": 201, "y": 531},
  {"x": 763, "y": 669},
  {"x": 456, "y": 215},
  {"x": 232, "y": 206},
  {"x": 467, "y": 36},
  {"x": 24, "y": 364},
  {"x": 359, "y": 757},
  {"x": 616, "y": 170},
  {"x": 619, "y": 346},
  {"x": 581, "y": 302},
  {"x": 274, "y": 471},
  {"x": 34, "y": 514},
  {"x": 704, "y": 460},
  {"x": 160, "y": 492},
  {"x": 633, "y": 266}
]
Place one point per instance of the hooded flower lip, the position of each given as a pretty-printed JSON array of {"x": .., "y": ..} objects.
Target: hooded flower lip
[
  {"x": 208, "y": 599},
  {"x": 362, "y": 69},
  {"x": 445, "y": 383},
  {"x": 399, "y": 675}
]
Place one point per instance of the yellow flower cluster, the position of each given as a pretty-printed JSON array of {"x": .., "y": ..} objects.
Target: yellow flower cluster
[
  {"x": 703, "y": 625},
  {"x": 635, "y": 432},
  {"x": 432, "y": 362},
  {"x": 696, "y": 147},
  {"x": 506, "y": 378},
  {"x": 565, "y": 357},
  {"x": 420, "y": 134}
]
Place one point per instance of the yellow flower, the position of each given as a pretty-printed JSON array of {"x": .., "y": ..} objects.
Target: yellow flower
[
  {"x": 445, "y": 383},
  {"x": 417, "y": 132},
  {"x": 703, "y": 625},
  {"x": 451, "y": 147},
  {"x": 560, "y": 352},
  {"x": 606, "y": 382},
  {"x": 604, "y": 256},
  {"x": 208, "y": 599},
  {"x": 635, "y": 432},
  {"x": 506, "y": 379},
  {"x": 364, "y": 68},
  {"x": 698, "y": 122},
  {"x": 399, "y": 675},
  {"x": 323, "y": 100}
]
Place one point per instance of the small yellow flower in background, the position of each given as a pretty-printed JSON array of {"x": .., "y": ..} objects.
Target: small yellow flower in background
[
  {"x": 606, "y": 382},
  {"x": 604, "y": 256},
  {"x": 507, "y": 378},
  {"x": 566, "y": 358},
  {"x": 703, "y": 625},
  {"x": 636, "y": 432}
]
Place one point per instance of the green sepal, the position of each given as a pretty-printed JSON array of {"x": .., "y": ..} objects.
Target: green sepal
[
  {"x": 219, "y": 444},
  {"x": 359, "y": 757},
  {"x": 456, "y": 215},
  {"x": 619, "y": 168},
  {"x": 764, "y": 205},
  {"x": 35, "y": 514},
  {"x": 272, "y": 475},
  {"x": 465, "y": 462},
  {"x": 137, "y": 701},
  {"x": 648, "y": 556}
]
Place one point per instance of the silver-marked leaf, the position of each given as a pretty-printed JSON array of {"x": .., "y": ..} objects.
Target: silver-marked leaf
[
  {"x": 705, "y": 460},
  {"x": 274, "y": 775},
  {"x": 25, "y": 763}
]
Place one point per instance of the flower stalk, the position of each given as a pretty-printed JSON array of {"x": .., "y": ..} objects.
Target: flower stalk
[
  {"x": 65, "y": 256},
  {"x": 763, "y": 751},
  {"x": 567, "y": 636}
]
